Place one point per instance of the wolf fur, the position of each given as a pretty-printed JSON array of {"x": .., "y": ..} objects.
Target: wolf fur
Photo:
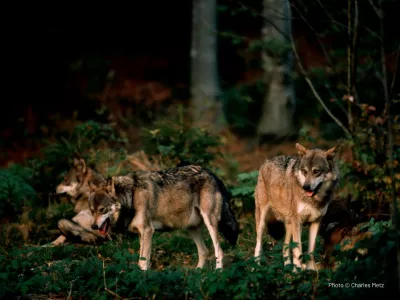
[
  {"x": 76, "y": 185},
  {"x": 295, "y": 191},
  {"x": 180, "y": 198}
]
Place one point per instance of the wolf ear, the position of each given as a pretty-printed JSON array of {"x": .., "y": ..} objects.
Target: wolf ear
[
  {"x": 80, "y": 165},
  {"x": 330, "y": 154},
  {"x": 110, "y": 185},
  {"x": 301, "y": 149},
  {"x": 92, "y": 187}
]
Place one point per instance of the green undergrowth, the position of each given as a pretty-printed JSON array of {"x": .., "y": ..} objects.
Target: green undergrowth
[{"x": 110, "y": 271}]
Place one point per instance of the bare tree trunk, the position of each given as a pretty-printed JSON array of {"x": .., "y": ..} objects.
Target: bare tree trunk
[
  {"x": 279, "y": 101},
  {"x": 205, "y": 107}
]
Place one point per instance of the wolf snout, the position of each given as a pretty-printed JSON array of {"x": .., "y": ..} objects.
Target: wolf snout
[
  {"x": 95, "y": 227},
  {"x": 307, "y": 187}
]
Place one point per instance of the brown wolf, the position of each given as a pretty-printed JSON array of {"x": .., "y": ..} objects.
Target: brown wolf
[
  {"x": 295, "y": 191},
  {"x": 180, "y": 198},
  {"x": 76, "y": 185}
]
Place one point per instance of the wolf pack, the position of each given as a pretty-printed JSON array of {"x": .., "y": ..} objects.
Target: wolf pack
[{"x": 291, "y": 192}]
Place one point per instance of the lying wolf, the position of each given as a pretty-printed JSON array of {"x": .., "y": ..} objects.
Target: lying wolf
[
  {"x": 76, "y": 185},
  {"x": 294, "y": 191},
  {"x": 180, "y": 198}
]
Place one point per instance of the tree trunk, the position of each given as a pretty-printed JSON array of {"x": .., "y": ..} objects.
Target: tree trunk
[
  {"x": 279, "y": 101},
  {"x": 205, "y": 108}
]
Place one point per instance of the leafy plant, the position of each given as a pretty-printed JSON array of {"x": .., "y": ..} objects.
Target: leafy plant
[
  {"x": 243, "y": 192},
  {"x": 175, "y": 142},
  {"x": 367, "y": 176},
  {"x": 110, "y": 271},
  {"x": 16, "y": 190}
]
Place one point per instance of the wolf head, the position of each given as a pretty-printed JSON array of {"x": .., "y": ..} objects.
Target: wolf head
[
  {"x": 74, "y": 179},
  {"x": 104, "y": 206},
  {"x": 315, "y": 167},
  {"x": 75, "y": 183}
]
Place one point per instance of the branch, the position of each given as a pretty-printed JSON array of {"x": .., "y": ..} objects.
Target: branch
[
  {"x": 330, "y": 64},
  {"x": 349, "y": 60},
  {"x": 395, "y": 72},
  {"x": 311, "y": 85},
  {"x": 376, "y": 10},
  {"x": 355, "y": 32},
  {"x": 370, "y": 31},
  {"x": 105, "y": 284}
]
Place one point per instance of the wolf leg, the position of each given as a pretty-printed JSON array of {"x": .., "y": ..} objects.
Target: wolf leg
[
  {"x": 144, "y": 228},
  {"x": 312, "y": 236},
  {"x": 286, "y": 241},
  {"x": 146, "y": 236},
  {"x": 297, "y": 251},
  {"x": 69, "y": 228},
  {"x": 260, "y": 228},
  {"x": 84, "y": 218},
  {"x": 202, "y": 250},
  {"x": 212, "y": 226},
  {"x": 60, "y": 240}
]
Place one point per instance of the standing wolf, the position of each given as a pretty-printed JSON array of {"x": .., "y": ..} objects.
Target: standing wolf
[
  {"x": 294, "y": 191},
  {"x": 178, "y": 198},
  {"x": 76, "y": 185}
]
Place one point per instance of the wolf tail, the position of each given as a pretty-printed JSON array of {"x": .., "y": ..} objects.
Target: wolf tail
[{"x": 228, "y": 225}]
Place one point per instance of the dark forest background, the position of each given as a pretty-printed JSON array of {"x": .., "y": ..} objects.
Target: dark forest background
[{"x": 115, "y": 84}]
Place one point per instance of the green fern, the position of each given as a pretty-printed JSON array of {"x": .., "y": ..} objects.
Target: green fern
[{"x": 15, "y": 189}]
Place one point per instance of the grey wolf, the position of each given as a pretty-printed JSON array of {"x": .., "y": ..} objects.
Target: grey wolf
[
  {"x": 76, "y": 185},
  {"x": 295, "y": 191},
  {"x": 184, "y": 197}
]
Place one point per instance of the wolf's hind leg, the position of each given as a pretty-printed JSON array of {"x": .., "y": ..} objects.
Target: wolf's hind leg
[
  {"x": 210, "y": 210},
  {"x": 69, "y": 228},
  {"x": 261, "y": 215},
  {"x": 212, "y": 225},
  {"x": 202, "y": 250}
]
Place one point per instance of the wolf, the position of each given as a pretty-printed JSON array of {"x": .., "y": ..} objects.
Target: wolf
[
  {"x": 76, "y": 185},
  {"x": 183, "y": 197},
  {"x": 295, "y": 191}
]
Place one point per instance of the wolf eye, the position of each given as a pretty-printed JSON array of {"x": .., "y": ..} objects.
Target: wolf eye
[
  {"x": 316, "y": 171},
  {"x": 102, "y": 210},
  {"x": 304, "y": 171}
]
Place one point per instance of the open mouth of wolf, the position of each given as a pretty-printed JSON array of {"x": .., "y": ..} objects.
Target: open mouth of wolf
[
  {"x": 311, "y": 193},
  {"x": 104, "y": 227}
]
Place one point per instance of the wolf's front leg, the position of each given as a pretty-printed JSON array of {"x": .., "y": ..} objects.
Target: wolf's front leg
[
  {"x": 297, "y": 251},
  {"x": 286, "y": 241},
  {"x": 146, "y": 236},
  {"x": 312, "y": 237}
]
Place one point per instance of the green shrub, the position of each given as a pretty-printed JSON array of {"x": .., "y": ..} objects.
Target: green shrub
[
  {"x": 110, "y": 269},
  {"x": 174, "y": 142},
  {"x": 16, "y": 190},
  {"x": 243, "y": 192}
]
